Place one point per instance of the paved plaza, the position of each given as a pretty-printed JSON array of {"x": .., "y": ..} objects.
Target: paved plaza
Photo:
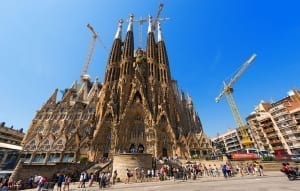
[{"x": 272, "y": 181}]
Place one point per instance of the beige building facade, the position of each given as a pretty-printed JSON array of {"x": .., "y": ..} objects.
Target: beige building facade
[{"x": 274, "y": 127}]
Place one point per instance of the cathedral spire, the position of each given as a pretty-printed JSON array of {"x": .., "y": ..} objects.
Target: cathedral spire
[
  {"x": 163, "y": 56},
  {"x": 129, "y": 41},
  {"x": 114, "y": 56},
  {"x": 159, "y": 33},
  {"x": 119, "y": 30},
  {"x": 151, "y": 50},
  {"x": 52, "y": 99},
  {"x": 150, "y": 24},
  {"x": 130, "y": 25}
]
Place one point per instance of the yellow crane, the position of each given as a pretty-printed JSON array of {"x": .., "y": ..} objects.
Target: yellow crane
[{"x": 227, "y": 91}]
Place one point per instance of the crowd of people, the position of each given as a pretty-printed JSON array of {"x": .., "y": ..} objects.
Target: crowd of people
[{"x": 167, "y": 171}]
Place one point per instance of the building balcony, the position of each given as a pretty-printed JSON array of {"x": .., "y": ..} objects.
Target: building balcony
[
  {"x": 271, "y": 135},
  {"x": 275, "y": 141},
  {"x": 266, "y": 124},
  {"x": 277, "y": 147},
  {"x": 283, "y": 119},
  {"x": 233, "y": 144},
  {"x": 230, "y": 141},
  {"x": 295, "y": 146},
  {"x": 296, "y": 130},
  {"x": 292, "y": 139},
  {"x": 268, "y": 130}
]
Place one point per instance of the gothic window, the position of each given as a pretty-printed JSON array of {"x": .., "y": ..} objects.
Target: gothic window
[
  {"x": 88, "y": 131},
  {"x": 78, "y": 116},
  {"x": 137, "y": 98},
  {"x": 109, "y": 117},
  {"x": 54, "y": 157},
  {"x": 45, "y": 145},
  {"x": 26, "y": 157},
  {"x": 72, "y": 129},
  {"x": 39, "y": 129},
  {"x": 138, "y": 117},
  {"x": 59, "y": 145},
  {"x": 164, "y": 139},
  {"x": 39, "y": 158},
  {"x": 59, "y": 142},
  {"x": 163, "y": 119},
  {"x": 54, "y": 117},
  {"x": 84, "y": 116},
  {"x": 68, "y": 157},
  {"x": 32, "y": 142},
  {"x": 55, "y": 129}
]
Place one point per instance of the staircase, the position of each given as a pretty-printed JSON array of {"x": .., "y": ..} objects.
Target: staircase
[{"x": 106, "y": 166}]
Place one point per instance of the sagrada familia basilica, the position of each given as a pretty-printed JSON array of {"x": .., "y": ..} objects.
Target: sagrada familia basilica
[{"x": 138, "y": 106}]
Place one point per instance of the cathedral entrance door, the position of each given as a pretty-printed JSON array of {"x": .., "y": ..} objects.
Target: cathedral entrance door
[{"x": 165, "y": 152}]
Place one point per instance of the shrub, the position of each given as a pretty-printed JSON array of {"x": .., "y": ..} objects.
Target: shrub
[
  {"x": 268, "y": 158},
  {"x": 83, "y": 159}
]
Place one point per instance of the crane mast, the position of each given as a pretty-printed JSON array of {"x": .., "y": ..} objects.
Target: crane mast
[
  {"x": 156, "y": 19},
  {"x": 227, "y": 91},
  {"x": 84, "y": 75}
]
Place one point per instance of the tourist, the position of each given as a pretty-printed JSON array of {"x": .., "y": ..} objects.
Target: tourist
[
  {"x": 30, "y": 181},
  {"x": 81, "y": 182},
  {"x": 41, "y": 183},
  {"x": 66, "y": 184},
  {"x": 60, "y": 180},
  {"x": 91, "y": 179},
  {"x": 128, "y": 175},
  {"x": 115, "y": 176},
  {"x": 4, "y": 184},
  {"x": 102, "y": 179}
]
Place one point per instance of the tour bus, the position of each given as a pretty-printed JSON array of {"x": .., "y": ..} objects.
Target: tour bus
[{"x": 250, "y": 154}]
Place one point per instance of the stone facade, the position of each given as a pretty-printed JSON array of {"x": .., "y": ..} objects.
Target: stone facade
[{"x": 138, "y": 104}]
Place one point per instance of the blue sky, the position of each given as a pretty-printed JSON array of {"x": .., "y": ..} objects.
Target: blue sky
[{"x": 43, "y": 46}]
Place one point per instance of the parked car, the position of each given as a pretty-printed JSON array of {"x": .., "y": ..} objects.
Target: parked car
[{"x": 295, "y": 157}]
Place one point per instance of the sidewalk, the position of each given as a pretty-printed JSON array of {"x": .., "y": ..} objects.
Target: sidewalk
[{"x": 73, "y": 185}]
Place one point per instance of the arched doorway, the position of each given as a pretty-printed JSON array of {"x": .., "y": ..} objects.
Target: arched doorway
[{"x": 165, "y": 152}]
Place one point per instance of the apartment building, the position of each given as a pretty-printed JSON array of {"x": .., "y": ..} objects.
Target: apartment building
[
  {"x": 276, "y": 126},
  {"x": 227, "y": 142}
]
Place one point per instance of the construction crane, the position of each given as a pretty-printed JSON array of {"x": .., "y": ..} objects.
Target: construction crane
[
  {"x": 154, "y": 23},
  {"x": 156, "y": 19},
  {"x": 227, "y": 91},
  {"x": 84, "y": 75}
]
